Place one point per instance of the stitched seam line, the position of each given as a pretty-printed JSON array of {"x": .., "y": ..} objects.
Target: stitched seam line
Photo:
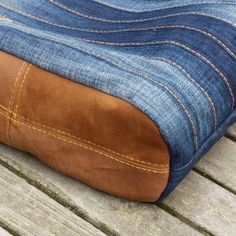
[
  {"x": 4, "y": 18},
  {"x": 229, "y": 51},
  {"x": 20, "y": 90},
  {"x": 171, "y": 42},
  {"x": 22, "y": 82},
  {"x": 7, "y": 131},
  {"x": 81, "y": 139},
  {"x": 85, "y": 147},
  {"x": 158, "y": 9},
  {"x": 184, "y": 72},
  {"x": 194, "y": 158},
  {"x": 13, "y": 91},
  {"x": 119, "y": 21},
  {"x": 180, "y": 45}
]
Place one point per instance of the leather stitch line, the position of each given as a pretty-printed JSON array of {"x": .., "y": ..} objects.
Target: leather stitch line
[
  {"x": 85, "y": 147},
  {"x": 7, "y": 131},
  {"x": 84, "y": 140},
  {"x": 13, "y": 91},
  {"x": 18, "y": 100},
  {"x": 20, "y": 90}
]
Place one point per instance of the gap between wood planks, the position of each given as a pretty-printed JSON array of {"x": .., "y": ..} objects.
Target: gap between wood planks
[
  {"x": 99, "y": 225},
  {"x": 231, "y": 135},
  {"x": 9, "y": 230},
  {"x": 79, "y": 212},
  {"x": 209, "y": 177}
]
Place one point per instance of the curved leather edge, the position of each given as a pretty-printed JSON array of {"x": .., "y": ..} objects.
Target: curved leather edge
[{"x": 82, "y": 132}]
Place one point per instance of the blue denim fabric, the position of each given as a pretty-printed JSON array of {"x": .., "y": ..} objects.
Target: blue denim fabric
[{"x": 174, "y": 60}]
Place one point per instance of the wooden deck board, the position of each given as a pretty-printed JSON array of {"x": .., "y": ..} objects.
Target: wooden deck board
[
  {"x": 232, "y": 131},
  {"x": 206, "y": 204},
  {"x": 116, "y": 216},
  {"x": 3, "y": 232},
  {"x": 220, "y": 163},
  {"x": 202, "y": 203},
  {"x": 27, "y": 211}
]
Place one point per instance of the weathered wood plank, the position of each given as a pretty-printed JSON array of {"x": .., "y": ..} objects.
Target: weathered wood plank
[
  {"x": 206, "y": 204},
  {"x": 232, "y": 131},
  {"x": 28, "y": 211},
  {"x": 115, "y": 216},
  {"x": 220, "y": 163},
  {"x": 3, "y": 232}
]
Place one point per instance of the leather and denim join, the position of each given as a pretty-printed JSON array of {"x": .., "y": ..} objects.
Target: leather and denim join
[{"x": 124, "y": 95}]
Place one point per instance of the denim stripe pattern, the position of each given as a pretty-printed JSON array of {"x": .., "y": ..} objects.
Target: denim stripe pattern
[{"x": 174, "y": 60}]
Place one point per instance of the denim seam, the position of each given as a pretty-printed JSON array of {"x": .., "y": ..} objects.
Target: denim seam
[
  {"x": 180, "y": 45},
  {"x": 65, "y": 139},
  {"x": 78, "y": 138},
  {"x": 218, "y": 41},
  {"x": 4, "y": 18},
  {"x": 177, "y": 44},
  {"x": 188, "y": 76},
  {"x": 122, "y": 21},
  {"x": 18, "y": 11},
  {"x": 157, "y": 9},
  {"x": 195, "y": 155}
]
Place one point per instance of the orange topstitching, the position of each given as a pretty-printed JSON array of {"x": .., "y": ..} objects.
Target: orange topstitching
[
  {"x": 81, "y": 139},
  {"x": 89, "y": 148}
]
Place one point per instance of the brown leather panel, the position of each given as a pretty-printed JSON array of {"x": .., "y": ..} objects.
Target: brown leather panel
[
  {"x": 97, "y": 171},
  {"x": 10, "y": 71},
  {"x": 97, "y": 138},
  {"x": 2, "y": 128},
  {"x": 104, "y": 116},
  {"x": 10, "y": 74}
]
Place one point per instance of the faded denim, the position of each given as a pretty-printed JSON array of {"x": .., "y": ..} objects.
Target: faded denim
[{"x": 174, "y": 60}]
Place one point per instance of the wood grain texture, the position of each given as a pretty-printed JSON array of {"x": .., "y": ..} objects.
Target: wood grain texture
[
  {"x": 206, "y": 204},
  {"x": 198, "y": 199},
  {"x": 232, "y": 131},
  {"x": 113, "y": 215},
  {"x": 3, "y": 232},
  {"x": 220, "y": 163},
  {"x": 28, "y": 211}
]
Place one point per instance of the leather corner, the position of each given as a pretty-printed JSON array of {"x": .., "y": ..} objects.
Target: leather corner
[{"x": 97, "y": 138}]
